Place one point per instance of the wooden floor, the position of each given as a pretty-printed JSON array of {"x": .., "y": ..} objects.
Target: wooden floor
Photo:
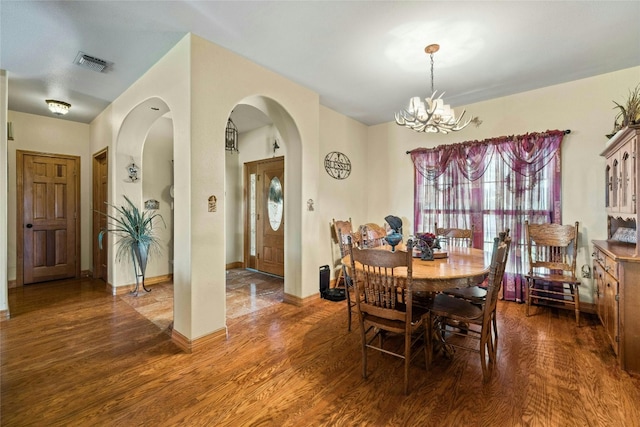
[{"x": 71, "y": 354}]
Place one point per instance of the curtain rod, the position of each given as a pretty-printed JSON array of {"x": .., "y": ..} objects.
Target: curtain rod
[{"x": 566, "y": 132}]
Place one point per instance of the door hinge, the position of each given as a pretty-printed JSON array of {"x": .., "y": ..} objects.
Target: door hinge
[
  {"x": 617, "y": 297},
  {"x": 257, "y": 216},
  {"x": 617, "y": 338}
]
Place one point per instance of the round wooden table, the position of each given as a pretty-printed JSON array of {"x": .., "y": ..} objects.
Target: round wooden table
[{"x": 463, "y": 267}]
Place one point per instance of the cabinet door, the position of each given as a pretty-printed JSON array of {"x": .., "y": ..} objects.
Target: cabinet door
[
  {"x": 626, "y": 174},
  {"x": 611, "y": 310},
  {"x": 598, "y": 279},
  {"x": 613, "y": 182}
]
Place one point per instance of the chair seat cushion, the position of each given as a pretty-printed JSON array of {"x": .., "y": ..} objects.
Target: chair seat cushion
[
  {"x": 398, "y": 326},
  {"x": 557, "y": 278},
  {"x": 471, "y": 293},
  {"x": 455, "y": 308}
]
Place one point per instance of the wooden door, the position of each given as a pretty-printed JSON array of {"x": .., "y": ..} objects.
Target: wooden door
[
  {"x": 48, "y": 218},
  {"x": 100, "y": 180},
  {"x": 270, "y": 218}
]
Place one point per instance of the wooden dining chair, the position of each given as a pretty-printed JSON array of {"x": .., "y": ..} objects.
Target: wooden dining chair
[
  {"x": 384, "y": 305},
  {"x": 341, "y": 229},
  {"x": 372, "y": 235},
  {"x": 343, "y": 233},
  {"x": 475, "y": 322},
  {"x": 552, "y": 250},
  {"x": 455, "y": 236},
  {"x": 476, "y": 293}
]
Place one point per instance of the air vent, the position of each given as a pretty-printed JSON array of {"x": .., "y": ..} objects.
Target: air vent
[{"x": 91, "y": 62}]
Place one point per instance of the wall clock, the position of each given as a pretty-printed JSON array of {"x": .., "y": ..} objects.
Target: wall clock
[{"x": 337, "y": 165}]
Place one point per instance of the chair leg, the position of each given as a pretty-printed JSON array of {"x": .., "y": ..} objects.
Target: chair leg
[
  {"x": 494, "y": 322},
  {"x": 348, "y": 295},
  {"x": 407, "y": 360},
  {"x": 363, "y": 336},
  {"x": 529, "y": 281},
  {"x": 576, "y": 298},
  {"x": 483, "y": 349},
  {"x": 428, "y": 338},
  {"x": 340, "y": 276}
]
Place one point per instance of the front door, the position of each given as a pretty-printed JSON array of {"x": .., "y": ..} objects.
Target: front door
[
  {"x": 264, "y": 240},
  {"x": 48, "y": 217}
]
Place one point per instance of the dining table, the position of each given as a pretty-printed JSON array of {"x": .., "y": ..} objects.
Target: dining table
[{"x": 453, "y": 267}]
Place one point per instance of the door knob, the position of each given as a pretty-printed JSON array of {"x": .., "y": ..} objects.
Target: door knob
[{"x": 29, "y": 225}]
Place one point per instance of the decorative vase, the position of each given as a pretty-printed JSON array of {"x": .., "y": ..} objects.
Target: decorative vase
[
  {"x": 393, "y": 239},
  {"x": 140, "y": 253}
]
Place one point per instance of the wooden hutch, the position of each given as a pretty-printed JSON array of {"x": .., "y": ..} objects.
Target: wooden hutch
[{"x": 616, "y": 263}]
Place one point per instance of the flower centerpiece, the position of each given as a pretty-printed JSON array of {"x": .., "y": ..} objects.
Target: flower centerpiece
[{"x": 427, "y": 242}]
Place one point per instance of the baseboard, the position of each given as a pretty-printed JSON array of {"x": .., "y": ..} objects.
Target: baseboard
[
  {"x": 86, "y": 273},
  {"x": 4, "y": 315},
  {"x": 232, "y": 265},
  {"x": 12, "y": 284},
  {"x": 188, "y": 346},
  {"x": 297, "y": 301},
  {"x": 148, "y": 281}
]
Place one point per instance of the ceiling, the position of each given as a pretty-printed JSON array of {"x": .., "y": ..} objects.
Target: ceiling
[{"x": 364, "y": 58}]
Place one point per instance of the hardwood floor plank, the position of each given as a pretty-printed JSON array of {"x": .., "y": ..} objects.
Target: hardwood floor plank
[{"x": 74, "y": 355}]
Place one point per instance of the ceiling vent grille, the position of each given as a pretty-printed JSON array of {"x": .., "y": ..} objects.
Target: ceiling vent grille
[{"x": 91, "y": 62}]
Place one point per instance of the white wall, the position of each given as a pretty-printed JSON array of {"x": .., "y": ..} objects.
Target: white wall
[
  {"x": 50, "y": 135},
  {"x": 583, "y": 106},
  {"x": 157, "y": 171},
  {"x": 341, "y": 199}
]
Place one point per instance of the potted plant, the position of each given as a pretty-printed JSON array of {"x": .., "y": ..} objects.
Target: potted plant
[
  {"x": 136, "y": 236},
  {"x": 629, "y": 113}
]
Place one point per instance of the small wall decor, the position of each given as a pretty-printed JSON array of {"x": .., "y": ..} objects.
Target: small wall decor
[
  {"x": 337, "y": 165},
  {"x": 213, "y": 205},
  {"x": 310, "y": 205},
  {"x": 134, "y": 171},
  {"x": 152, "y": 204}
]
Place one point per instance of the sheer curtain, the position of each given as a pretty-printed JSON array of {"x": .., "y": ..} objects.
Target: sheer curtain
[{"x": 493, "y": 184}]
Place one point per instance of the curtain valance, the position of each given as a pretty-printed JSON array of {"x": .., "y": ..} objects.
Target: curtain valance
[{"x": 524, "y": 154}]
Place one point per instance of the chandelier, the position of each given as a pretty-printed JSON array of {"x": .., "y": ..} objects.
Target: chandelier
[{"x": 433, "y": 115}]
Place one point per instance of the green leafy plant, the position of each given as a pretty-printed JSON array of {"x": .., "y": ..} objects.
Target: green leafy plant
[
  {"x": 133, "y": 229},
  {"x": 629, "y": 113}
]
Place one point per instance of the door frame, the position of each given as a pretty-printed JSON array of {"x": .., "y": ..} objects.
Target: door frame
[
  {"x": 95, "y": 207},
  {"x": 20, "y": 209}
]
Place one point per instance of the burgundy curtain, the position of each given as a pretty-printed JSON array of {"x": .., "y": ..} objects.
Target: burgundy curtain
[{"x": 494, "y": 184}]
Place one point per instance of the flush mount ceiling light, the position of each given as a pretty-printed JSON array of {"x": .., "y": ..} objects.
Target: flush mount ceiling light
[
  {"x": 58, "y": 107},
  {"x": 433, "y": 115}
]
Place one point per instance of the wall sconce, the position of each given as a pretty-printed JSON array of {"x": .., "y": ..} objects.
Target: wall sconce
[
  {"x": 58, "y": 108},
  {"x": 275, "y": 147},
  {"x": 9, "y": 131},
  {"x": 231, "y": 136}
]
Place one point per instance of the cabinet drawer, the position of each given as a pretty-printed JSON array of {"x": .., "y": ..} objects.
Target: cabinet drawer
[
  {"x": 611, "y": 267},
  {"x": 606, "y": 262}
]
